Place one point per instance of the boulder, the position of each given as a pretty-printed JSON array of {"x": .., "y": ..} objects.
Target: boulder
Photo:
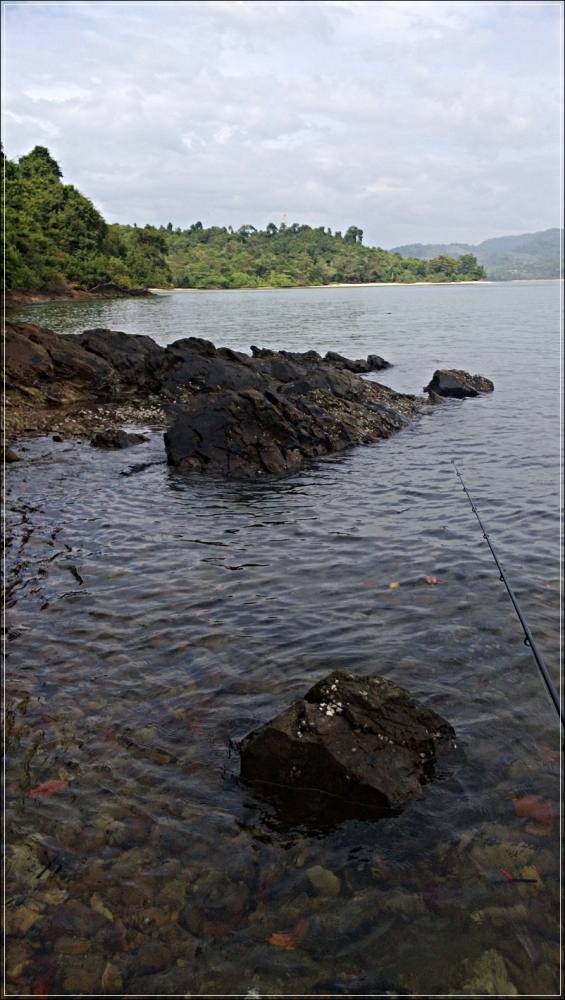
[
  {"x": 373, "y": 363},
  {"x": 42, "y": 358},
  {"x": 112, "y": 439},
  {"x": 376, "y": 363},
  {"x": 458, "y": 384},
  {"x": 361, "y": 740},
  {"x": 252, "y": 432},
  {"x": 135, "y": 358}
]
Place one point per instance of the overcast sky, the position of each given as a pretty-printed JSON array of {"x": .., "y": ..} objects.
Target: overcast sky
[{"x": 417, "y": 121}]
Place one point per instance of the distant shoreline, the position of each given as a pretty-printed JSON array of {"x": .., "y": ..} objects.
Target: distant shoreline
[
  {"x": 366, "y": 284},
  {"x": 344, "y": 284}
]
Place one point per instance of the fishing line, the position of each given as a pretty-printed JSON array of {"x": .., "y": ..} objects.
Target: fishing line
[{"x": 529, "y": 639}]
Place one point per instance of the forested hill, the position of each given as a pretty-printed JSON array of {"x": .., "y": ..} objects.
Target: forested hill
[
  {"x": 530, "y": 255},
  {"x": 55, "y": 237},
  {"x": 288, "y": 256}
]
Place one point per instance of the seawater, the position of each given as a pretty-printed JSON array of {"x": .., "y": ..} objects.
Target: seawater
[{"x": 207, "y": 606}]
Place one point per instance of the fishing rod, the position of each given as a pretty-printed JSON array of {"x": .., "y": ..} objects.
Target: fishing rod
[{"x": 529, "y": 639}]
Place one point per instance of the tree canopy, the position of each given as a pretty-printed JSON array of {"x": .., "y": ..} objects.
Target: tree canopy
[{"x": 55, "y": 236}]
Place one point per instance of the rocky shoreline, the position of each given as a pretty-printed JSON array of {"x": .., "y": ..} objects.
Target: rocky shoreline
[
  {"x": 67, "y": 293},
  {"x": 222, "y": 411}
]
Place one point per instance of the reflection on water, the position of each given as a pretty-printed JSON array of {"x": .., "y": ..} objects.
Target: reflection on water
[{"x": 154, "y": 620}]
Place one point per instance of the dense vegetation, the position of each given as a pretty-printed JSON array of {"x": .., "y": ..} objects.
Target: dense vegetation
[
  {"x": 287, "y": 256},
  {"x": 55, "y": 237}
]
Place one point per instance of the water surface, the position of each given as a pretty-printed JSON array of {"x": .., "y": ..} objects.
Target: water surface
[{"x": 155, "y": 619}]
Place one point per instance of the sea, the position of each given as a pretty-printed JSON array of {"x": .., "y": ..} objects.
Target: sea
[{"x": 155, "y": 619}]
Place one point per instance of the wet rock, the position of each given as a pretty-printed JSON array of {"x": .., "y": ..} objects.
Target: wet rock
[
  {"x": 153, "y": 956},
  {"x": 376, "y": 363},
  {"x": 362, "y": 740},
  {"x": 111, "y": 981},
  {"x": 324, "y": 881},
  {"x": 72, "y": 946},
  {"x": 251, "y": 432},
  {"x": 489, "y": 977},
  {"x": 458, "y": 384},
  {"x": 20, "y": 920},
  {"x": 112, "y": 439},
  {"x": 434, "y": 398},
  {"x": 83, "y": 974},
  {"x": 373, "y": 363}
]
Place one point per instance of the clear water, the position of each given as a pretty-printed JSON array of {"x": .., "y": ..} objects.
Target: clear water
[{"x": 206, "y": 607}]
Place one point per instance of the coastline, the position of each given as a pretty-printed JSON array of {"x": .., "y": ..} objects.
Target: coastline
[
  {"x": 344, "y": 284},
  {"x": 21, "y": 298}
]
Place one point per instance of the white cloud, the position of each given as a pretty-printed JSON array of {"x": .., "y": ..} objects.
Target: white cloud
[
  {"x": 57, "y": 93},
  {"x": 415, "y": 120}
]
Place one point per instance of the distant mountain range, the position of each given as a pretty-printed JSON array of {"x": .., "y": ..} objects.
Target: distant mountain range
[{"x": 531, "y": 255}]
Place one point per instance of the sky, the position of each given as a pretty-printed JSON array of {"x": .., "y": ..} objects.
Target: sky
[{"x": 416, "y": 121}]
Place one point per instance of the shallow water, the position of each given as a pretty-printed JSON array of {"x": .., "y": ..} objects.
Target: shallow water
[{"x": 154, "y": 619}]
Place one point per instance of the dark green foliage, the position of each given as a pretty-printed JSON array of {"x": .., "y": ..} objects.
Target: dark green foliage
[
  {"x": 55, "y": 236},
  {"x": 290, "y": 256}
]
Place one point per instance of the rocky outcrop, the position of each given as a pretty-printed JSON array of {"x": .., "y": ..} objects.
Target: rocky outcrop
[
  {"x": 373, "y": 363},
  {"x": 360, "y": 740},
  {"x": 229, "y": 412},
  {"x": 458, "y": 384},
  {"x": 276, "y": 428},
  {"x": 51, "y": 368}
]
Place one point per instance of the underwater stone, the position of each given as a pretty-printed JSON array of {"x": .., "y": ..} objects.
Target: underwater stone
[{"x": 363, "y": 740}]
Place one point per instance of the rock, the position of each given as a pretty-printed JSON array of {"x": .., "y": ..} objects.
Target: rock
[
  {"x": 57, "y": 437},
  {"x": 83, "y": 974},
  {"x": 373, "y": 363},
  {"x": 458, "y": 384},
  {"x": 42, "y": 358},
  {"x": 376, "y": 363},
  {"x": 9, "y": 455},
  {"x": 136, "y": 359},
  {"x": 434, "y": 398},
  {"x": 324, "y": 881},
  {"x": 277, "y": 428},
  {"x": 360, "y": 740},
  {"x": 489, "y": 977},
  {"x": 20, "y": 920},
  {"x": 112, "y": 439},
  {"x": 112, "y": 981}
]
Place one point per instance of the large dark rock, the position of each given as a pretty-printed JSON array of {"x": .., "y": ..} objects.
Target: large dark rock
[
  {"x": 252, "y": 432},
  {"x": 457, "y": 383},
  {"x": 39, "y": 358},
  {"x": 362, "y": 740},
  {"x": 136, "y": 359},
  {"x": 196, "y": 365}
]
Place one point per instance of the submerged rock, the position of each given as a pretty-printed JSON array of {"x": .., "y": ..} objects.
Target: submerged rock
[
  {"x": 489, "y": 977},
  {"x": 363, "y": 740},
  {"x": 112, "y": 439},
  {"x": 458, "y": 384}
]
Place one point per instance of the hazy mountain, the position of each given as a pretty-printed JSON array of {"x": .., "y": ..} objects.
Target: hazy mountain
[{"x": 530, "y": 255}]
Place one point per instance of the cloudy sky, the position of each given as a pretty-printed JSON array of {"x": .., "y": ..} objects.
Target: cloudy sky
[{"x": 417, "y": 121}]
